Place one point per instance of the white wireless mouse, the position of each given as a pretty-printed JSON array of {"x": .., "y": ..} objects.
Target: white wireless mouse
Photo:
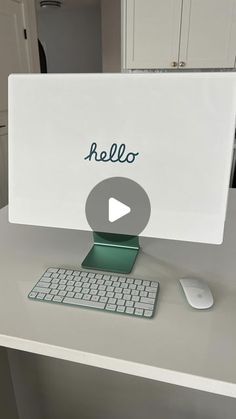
[{"x": 197, "y": 293}]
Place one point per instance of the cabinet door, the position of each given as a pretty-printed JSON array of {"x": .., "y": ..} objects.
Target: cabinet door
[
  {"x": 3, "y": 162},
  {"x": 208, "y": 34},
  {"x": 152, "y": 33}
]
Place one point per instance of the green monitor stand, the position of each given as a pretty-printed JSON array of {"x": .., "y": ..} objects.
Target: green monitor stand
[{"x": 112, "y": 252}]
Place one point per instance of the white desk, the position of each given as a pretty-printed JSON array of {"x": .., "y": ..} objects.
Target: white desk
[{"x": 180, "y": 345}]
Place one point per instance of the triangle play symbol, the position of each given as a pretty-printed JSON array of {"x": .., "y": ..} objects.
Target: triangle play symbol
[{"x": 117, "y": 210}]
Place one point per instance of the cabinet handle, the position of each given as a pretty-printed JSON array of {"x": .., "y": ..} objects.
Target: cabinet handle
[
  {"x": 2, "y": 126},
  {"x": 182, "y": 64},
  {"x": 174, "y": 64}
]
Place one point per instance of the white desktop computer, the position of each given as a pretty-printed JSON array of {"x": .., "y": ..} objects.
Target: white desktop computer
[{"x": 121, "y": 155}]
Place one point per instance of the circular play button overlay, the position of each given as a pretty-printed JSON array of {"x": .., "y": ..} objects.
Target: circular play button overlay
[{"x": 118, "y": 205}]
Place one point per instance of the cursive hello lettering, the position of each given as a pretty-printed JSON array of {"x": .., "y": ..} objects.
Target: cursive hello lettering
[{"x": 114, "y": 155}]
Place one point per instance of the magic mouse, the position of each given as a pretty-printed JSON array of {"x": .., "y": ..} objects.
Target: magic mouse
[{"x": 197, "y": 293}]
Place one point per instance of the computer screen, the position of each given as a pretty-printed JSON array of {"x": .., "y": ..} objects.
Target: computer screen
[{"x": 128, "y": 154}]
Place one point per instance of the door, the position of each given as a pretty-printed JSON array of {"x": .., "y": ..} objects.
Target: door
[
  {"x": 208, "y": 34},
  {"x": 16, "y": 57},
  {"x": 152, "y": 33}
]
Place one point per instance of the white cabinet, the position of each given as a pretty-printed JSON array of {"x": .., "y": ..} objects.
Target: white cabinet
[
  {"x": 152, "y": 33},
  {"x": 179, "y": 34},
  {"x": 208, "y": 34}
]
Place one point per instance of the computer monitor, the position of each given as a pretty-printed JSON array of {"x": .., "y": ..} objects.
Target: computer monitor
[{"x": 122, "y": 155}]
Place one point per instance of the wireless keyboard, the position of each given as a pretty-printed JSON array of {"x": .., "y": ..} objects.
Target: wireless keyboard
[{"x": 113, "y": 293}]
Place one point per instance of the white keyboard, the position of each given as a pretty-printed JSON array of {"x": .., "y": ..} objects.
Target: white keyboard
[{"x": 114, "y": 293}]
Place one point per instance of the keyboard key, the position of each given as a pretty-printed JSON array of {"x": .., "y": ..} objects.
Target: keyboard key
[
  {"x": 143, "y": 306},
  {"x": 57, "y": 299},
  {"x": 103, "y": 299},
  {"x": 130, "y": 281},
  {"x": 69, "y": 293},
  {"x": 44, "y": 290},
  {"x": 46, "y": 279},
  {"x": 112, "y": 301},
  {"x": 96, "y": 298},
  {"x": 62, "y": 281},
  {"x": 138, "y": 282},
  {"x": 48, "y": 297},
  {"x": 86, "y": 297},
  {"x": 138, "y": 312},
  {"x": 129, "y": 303},
  {"x": 120, "y": 309},
  {"x": 126, "y": 291},
  {"x": 69, "y": 272},
  {"x": 154, "y": 284},
  {"x": 32, "y": 294},
  {"x": 146, "y": 283},
  {"x": 54, "y": 292},
  {"x": 129, "y": 310},
  {"x": 61, "y": 271},
  {"x": 84, "y": 303},
  {"x": 83, "y": 274},
  {"x": 78, "y": 295},
  {"x": 52, "y": 270},
  {"x": 111, "y": 307},
  {"x": 121, "y": 302},
  {"x": 55, "y": 280},
  {"x": 69, "y": 288},
  {"x": 43, "y": 284},
  {"x": 151, "y": 289},
  {"x": 147, "y": 300},
  {"x": 40, "y": 296},
  {"x": 148, "y": 313},
  {"x": 135, "y": 298},
  {"x": 143, "y": 294},
  {"x": 62, "y": 293},
  {"x": 98, "y": 276}
]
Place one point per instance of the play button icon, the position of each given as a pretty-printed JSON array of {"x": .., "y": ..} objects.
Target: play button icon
[
  {"x": 118, "y": 205},
  {"x": 117, "y": 210}
]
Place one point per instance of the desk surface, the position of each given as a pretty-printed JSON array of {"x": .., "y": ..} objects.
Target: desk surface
[{"x": 180, "y": 345}]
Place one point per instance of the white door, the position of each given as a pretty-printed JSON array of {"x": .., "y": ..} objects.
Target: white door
[
  {"x": 208, "y": 34},
  {"x": 17, "y": 55},
  {"x": 152, "y": 33}
]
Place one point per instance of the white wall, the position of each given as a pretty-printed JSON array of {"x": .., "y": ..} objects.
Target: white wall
[{"x": 71, "y": 37}]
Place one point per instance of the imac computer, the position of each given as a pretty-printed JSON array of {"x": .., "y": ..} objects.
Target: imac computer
[{"x": 122, "y": 155}]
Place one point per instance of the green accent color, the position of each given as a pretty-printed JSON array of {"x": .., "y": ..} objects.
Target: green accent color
[{"x": 112, "y": 252}]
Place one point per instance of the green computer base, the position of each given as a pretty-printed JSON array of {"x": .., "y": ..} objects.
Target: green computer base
[{"x": 112, "y": 252}]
